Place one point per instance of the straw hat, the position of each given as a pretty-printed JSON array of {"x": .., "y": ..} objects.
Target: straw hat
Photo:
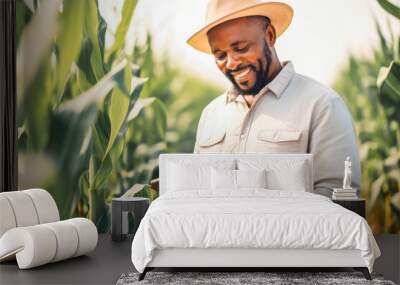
[{"x": 219, "y": 11}]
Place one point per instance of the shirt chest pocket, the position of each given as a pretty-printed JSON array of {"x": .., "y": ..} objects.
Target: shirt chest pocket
[
  {"x": 212, "y": 143},
  {"x": 279, "y": 141},
  {"x": 224, "y": 142}
]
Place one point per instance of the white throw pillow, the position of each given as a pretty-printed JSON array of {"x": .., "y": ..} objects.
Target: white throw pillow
[
  {"x": 186, "y": 175},
  {"x": 227, "y": 179},
  {"x": 292, "y": 179},
  {"x": 251, "y": 178},
  {"x": 281, "y": 174},
  {"x": 183, "y": 177},
  {"x": 223, "y": 179}
]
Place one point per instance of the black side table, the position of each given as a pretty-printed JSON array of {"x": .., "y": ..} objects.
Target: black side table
[
  {"x": 357, "y": 206},
  {"x": 119, "y": 214}
]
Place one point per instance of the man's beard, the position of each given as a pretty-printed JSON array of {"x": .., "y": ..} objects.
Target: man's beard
[{"x": 261, "y": 75}]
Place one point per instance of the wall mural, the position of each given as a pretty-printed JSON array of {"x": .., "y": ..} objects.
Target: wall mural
[{"x": 92, "y": 119}]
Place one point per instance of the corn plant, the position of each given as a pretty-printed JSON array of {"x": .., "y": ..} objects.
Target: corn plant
[
  {"x": 184, "y": 96},
  {"x": 371, "y": 89},
  {"x": 77, "y": 102}
]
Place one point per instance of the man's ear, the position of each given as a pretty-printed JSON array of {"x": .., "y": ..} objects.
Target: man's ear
[{"x": 270, "y": 36}]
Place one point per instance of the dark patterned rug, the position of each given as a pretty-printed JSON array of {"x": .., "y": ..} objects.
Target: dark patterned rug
[{"x": 225, "y": 278}]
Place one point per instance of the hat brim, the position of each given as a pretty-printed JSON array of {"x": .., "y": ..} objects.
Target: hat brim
[{"x": 280, "y": 15}]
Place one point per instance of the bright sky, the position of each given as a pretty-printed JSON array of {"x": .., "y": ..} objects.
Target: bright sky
[{"x": 321, "y": 35}]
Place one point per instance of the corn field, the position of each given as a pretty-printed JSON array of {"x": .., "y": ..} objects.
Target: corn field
[
  {"x": 87, "y": 131},
  {"x": 92, "y": 119},
  {"x": 371, "y": 90}
]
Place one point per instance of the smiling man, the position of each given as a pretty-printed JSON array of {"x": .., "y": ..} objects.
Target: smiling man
[
  {"x": 250, "y": 65},
  {"x": 270, "y": 107}
]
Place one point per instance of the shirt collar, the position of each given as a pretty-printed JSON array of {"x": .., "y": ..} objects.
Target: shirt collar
[{"x": 276, "y": 86}]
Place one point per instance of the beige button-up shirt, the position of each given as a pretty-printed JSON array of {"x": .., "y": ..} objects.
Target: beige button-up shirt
[{"x": 291, "y": 114}]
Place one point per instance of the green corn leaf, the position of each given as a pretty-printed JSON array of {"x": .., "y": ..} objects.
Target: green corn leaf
[
  {"x": 136, "y": 88},
  {"x": 119, "y": 105},
  {"x": 101, "y": 133},
  {"x": 385, "y": 49},
  {"x": 96, "y": 93},
  {"x": 102, "y": 173},
  {"x": 82, "y": 83},
  {"x": 90, "y": 97},
  {"x": 98, "y": 210},
  {"x": 390, "y": 8},
  {"x": 77, "y": 107},
  {"x": 135, "y": 70},
  {"x": 139, "y": 105},
  {"x": 69, "y": 40},
  {"x": 376, "y": 189},
  {"x": 160, "y": 112},
  {"x": 68, "y": 130},
  {"x": 147, "y": 58},
  {"x": 137, "y": 85},
  {"x": 102, "y": 34},
  {"x": 84, "y": 183},
  {"x": 84, "y": 61},
  {"x": 30, "y": 59},
  {"x": 116, "y": 150},
  {"x": 67, "y": 133},
  {"x": 92, "y": 30},
  {"x": 100, "y": 164},
  {"x": 124, "y": 80},
  {"x": 117, "y": 113},
  {"x": 118, "y": 109},
  {"x": 37, "y": 106},
  {"x": 388, "y": 83},
  {"x": 91, "y": 172},
  {"x": 119, "y": 41}
]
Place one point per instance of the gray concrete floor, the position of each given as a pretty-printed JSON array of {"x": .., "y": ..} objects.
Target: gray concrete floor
[
  {"x": 110, "y": 260},
  {"x": 388, "y": 263}
]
